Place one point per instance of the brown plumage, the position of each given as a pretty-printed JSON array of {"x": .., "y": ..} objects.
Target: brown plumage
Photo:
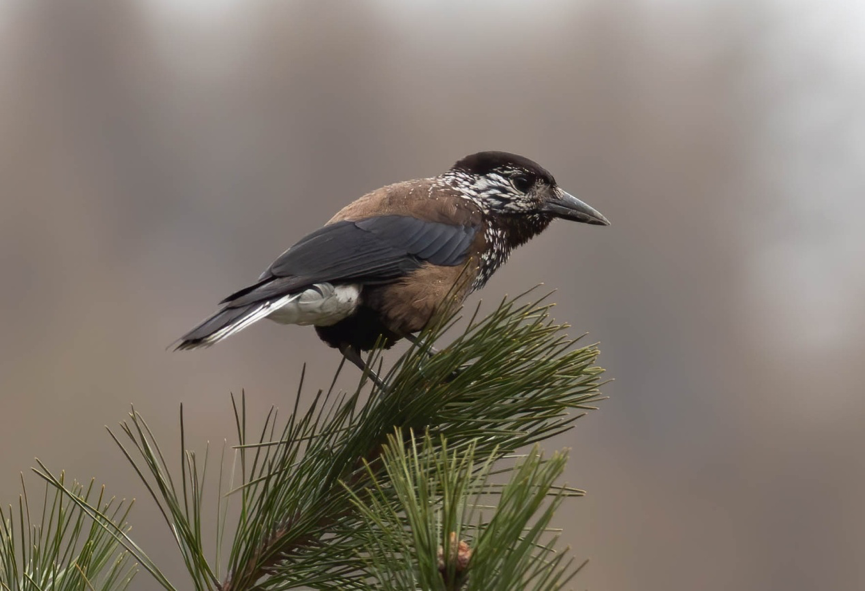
[
  {"x": 385, "y": 263},
  {"x": 406, "y": 305}
]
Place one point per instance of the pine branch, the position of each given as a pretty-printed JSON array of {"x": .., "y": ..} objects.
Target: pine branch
[
  {"x": 436, "y": 537},
  {"x": 511, "y": 379},
  {"x": 58, "y": 550},
  {"x": 508, "y": 381}
]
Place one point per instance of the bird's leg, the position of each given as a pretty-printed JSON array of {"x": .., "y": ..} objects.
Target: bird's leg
[
  {"x": 353, "y": 355},
  {"x": 414, "y": 340}
]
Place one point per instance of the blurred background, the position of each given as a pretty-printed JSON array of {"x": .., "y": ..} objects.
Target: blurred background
[{"x": 156, "y": 155}]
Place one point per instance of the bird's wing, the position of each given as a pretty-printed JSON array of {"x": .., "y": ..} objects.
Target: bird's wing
[{"x": 371, "y": 250}]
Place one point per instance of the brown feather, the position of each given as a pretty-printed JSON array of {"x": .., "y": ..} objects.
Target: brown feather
[
  {"x": 407, "y": 305},
  {"x": 423, "y": 199}
]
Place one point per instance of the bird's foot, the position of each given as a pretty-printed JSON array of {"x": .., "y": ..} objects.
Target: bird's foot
[
  {"x": 353, "y": 355},
  {"x": 414, "y": 340}
]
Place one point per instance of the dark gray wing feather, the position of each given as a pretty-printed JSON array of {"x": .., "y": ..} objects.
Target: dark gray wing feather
[{"x": 372, "y": 250}]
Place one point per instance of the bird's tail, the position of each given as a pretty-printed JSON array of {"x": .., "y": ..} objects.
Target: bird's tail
[{"x": 225, "y": 323}]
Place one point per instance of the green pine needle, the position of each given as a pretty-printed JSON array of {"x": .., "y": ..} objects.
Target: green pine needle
[
  {"x": 301, "y": 489},
  {"x": 63, "y": 550},
  {"x": 435, "y": 536}
]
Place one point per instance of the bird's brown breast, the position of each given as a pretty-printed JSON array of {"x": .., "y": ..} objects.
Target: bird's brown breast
[{"x": 408, "y": 305}]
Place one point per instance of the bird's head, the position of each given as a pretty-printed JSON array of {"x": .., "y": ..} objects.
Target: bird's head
[{"x": 507, "y": 184}]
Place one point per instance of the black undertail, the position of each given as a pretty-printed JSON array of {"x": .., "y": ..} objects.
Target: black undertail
[{"x": 361, "y": 331}]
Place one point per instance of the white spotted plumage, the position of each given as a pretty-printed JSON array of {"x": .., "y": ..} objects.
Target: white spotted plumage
[
  {"x": 491, "y": 192},
  {"x": 495, "y": 255}
]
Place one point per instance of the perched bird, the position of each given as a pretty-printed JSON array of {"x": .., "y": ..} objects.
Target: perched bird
[{"x": 384, "y": 264}]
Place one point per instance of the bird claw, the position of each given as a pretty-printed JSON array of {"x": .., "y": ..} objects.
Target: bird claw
[{"x": 352, "y": 354}]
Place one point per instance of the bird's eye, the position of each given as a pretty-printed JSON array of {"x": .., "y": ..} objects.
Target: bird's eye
[{"x": 522, "y": 183}]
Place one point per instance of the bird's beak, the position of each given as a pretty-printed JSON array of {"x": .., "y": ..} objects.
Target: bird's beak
[{"x": 566, "y": 206}]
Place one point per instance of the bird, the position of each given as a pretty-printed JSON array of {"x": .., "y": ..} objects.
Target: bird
[{"x": 380, "y": 268}]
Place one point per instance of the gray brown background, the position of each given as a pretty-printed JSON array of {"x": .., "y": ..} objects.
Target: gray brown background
[{"x": 156, "y": 155}]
